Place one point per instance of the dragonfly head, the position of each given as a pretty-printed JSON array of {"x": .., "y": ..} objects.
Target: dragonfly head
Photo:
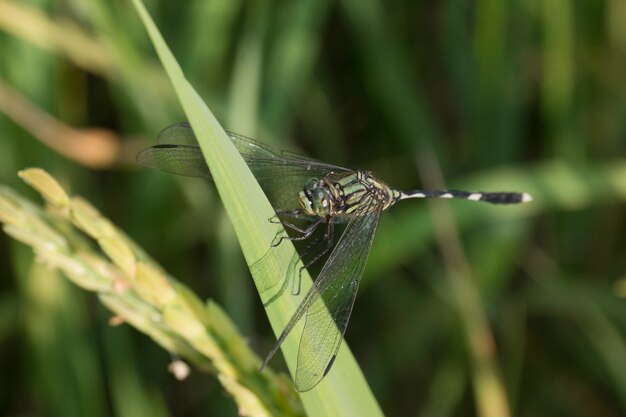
[{"x": 314, "y": 199}]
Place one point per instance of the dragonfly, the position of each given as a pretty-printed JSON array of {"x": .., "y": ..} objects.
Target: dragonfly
[{"x": 324, "y": 194}]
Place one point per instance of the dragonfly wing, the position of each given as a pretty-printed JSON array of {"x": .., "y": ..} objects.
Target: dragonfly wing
[
  {"x": 177, "y": 134},
  {"x": 335, "y": 289},
  {"x": 184, "y": 160},
  {"x": 281, "y": 175},
  {"x": 182, "y": 134},
  {"x": 328, "y": 304}
]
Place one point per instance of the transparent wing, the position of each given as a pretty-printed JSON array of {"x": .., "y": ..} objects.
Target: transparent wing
[
  {"x": 281, "y": 174},
  {"x": 335, "y": 292},
  {"x": 176, "y": 159},
  {"x": 328, "y": 304}
]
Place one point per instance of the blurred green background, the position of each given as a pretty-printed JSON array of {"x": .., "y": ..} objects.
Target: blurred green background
[{"x": 519, "y": 95}]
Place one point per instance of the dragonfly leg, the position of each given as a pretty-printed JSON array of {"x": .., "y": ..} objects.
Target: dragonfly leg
[
  {"x": 306, "y": 233},
  {"x": 287, "y": 213},
  {"x": 328, "y": 237},
  {"x": 294, "y": 227},
  {"x": 296, "y": 280}
]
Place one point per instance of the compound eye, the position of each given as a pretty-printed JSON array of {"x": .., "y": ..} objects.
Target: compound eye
[{"x": 311, "y": 184}]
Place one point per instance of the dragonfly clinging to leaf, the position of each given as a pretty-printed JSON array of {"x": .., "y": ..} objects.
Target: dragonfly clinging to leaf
[{"x": 300, "y": 187}]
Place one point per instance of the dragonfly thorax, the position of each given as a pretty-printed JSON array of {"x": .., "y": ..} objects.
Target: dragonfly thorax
[{"x": 355, "y": 194}]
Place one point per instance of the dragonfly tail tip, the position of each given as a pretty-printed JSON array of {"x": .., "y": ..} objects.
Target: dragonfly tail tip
[{"x": 526, "y": 198}]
